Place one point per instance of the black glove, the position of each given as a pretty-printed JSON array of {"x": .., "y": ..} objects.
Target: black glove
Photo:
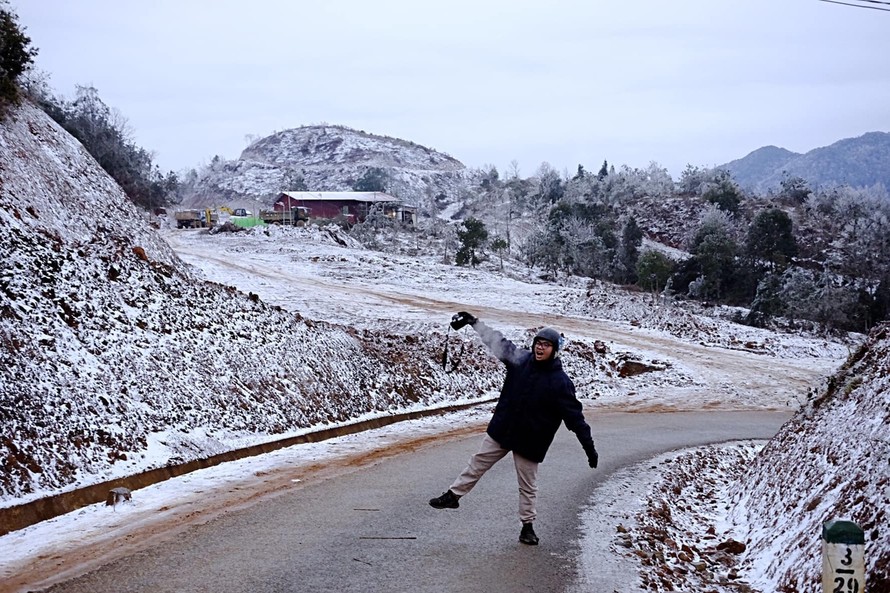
[
  {"x": 592, "y": 456},
  {"x": 461, "y": 319}
]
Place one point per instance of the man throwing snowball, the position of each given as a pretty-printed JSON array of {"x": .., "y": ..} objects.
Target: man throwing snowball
[{"x": 536, "y": 397}]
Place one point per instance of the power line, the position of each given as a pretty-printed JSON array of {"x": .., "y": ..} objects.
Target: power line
[{"x": 862, "y": 5}]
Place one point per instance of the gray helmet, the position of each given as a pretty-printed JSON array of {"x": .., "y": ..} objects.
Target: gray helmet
[{"x": 551, "y": 335}]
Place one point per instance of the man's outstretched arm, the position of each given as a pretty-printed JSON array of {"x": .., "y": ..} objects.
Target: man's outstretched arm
[{"x": 502, "y": 348}]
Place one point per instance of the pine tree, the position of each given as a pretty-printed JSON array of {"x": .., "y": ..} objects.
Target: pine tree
[
  {"x": 472, "y": 237},
  {"x": 653, "y": 270},
  {"x": 715, "y": 250},
  {"x": 16, "y": 57},
  {"x": 770, "y": 243},
  {"x": 629, "y": 252}
]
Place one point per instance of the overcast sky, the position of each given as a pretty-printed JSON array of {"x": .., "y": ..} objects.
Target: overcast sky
[{"x": 488, "y": 82}]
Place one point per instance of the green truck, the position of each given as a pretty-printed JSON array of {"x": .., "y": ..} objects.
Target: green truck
[{"x": 297, "y": 216}]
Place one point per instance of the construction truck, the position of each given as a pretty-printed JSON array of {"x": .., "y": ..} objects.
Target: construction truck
[
  {"x": 297, "y": 216},
  {"x": 188, "y": 219},
  {"x": 195, "y": 219}
]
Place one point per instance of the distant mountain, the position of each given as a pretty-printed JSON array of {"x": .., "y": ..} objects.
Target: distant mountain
[
  {"x": 326, "y": 158},
  {"x": 767, "y": 158},
  {"x": 858, "y": 162}
]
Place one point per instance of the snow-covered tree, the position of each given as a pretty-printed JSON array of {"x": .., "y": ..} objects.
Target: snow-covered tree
[
  {"x": 723, "y": 192},
  {"x": 628, "y": 252},
  {"x": 822, "y": 297},
  {"x": 794, "y": 190},
  {"x": 693, "y": 179},
  {"x": 373, "y": 179},
  {"x": 714, "y": 247},
  {"x": 550, "y": 185}
]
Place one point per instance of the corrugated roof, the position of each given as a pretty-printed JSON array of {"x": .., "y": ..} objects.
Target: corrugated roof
[{"x": 361, "y": 196}]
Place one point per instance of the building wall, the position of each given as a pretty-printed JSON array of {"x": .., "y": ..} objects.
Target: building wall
[
  {"x": 325, "y": 208},
  {"x": 335, "y": 208}
]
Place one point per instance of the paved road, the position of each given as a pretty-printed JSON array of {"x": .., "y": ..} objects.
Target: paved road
[{"x": 372, "y": 530}]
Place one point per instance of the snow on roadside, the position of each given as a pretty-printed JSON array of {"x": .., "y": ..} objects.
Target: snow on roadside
[
  {"x": 829, "y": 462},
  {"x": 665, "y": 520},
  {"x": 746, "y": 517}
]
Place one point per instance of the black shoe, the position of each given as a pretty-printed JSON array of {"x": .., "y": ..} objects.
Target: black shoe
[
  {"x": 448, "y": 500},
  {"x": 527, "y": 535}
]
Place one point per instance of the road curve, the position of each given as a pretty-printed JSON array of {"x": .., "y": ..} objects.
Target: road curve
[
  {"x": 721, "y": 378},
  {"x": 372, "y": 530}
]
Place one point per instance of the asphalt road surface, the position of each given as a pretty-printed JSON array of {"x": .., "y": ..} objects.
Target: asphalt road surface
[{"x": 372, "y": 530}]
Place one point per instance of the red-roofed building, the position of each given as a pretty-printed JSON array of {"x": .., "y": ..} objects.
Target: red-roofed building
[{"x": 351, "y": 205}]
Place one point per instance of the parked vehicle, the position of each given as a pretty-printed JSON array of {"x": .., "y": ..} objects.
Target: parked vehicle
[
  {"x": 214, "y": 217},
  {"x": 297, "y": 216},
  {"x": 188, "y": 219},
  {"x": 195, "y": 219}
]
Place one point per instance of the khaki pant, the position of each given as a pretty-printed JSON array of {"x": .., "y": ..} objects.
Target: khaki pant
[{"x": 490, "y": 452}]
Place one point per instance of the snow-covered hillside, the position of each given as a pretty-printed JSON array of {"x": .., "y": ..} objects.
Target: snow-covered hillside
[
  {"x": 832, "y": 461},
  {"x": 327, "y": 158},
  {"x": 745, "y": 518},
  {"x": 331, "y": 146},
  {"x": 114, "y": 358}
]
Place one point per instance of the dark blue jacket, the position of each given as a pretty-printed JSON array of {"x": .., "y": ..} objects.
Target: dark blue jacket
[{"x": 535, "y": 399}]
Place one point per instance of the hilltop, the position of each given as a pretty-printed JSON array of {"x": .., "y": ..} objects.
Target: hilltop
[{"x": 326, "y": 158}]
